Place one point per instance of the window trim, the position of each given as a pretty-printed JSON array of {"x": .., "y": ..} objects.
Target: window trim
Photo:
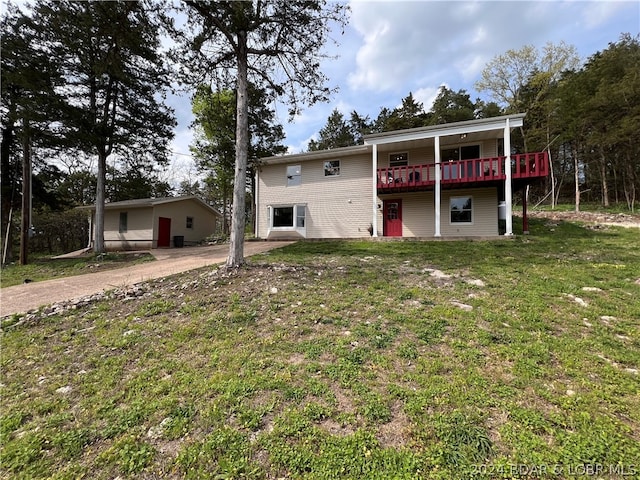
[
  {"x": 330, "y": 175},
  {"x": 471, "y": 210},
  {"x": 298, "y": 208}
]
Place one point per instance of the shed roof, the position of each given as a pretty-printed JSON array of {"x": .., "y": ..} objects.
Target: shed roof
[{"x": 151, "y": 202}]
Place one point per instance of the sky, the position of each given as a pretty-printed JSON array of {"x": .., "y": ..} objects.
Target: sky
[{"x": 391, "y": 48}]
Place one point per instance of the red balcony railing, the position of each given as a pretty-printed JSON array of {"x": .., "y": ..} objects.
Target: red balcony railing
[{"x": 525, "y": 165}]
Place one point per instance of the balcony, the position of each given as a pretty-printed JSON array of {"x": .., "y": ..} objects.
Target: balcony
[{"x": 463, "y": 173}]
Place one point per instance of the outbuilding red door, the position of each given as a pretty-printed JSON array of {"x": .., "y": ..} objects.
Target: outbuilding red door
[
  {"x": 164, "y": 232},
  {"x": 392, "y": 210}
]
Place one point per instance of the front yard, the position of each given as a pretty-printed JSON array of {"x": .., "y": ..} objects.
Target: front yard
[{"x": 436, "y": 360}]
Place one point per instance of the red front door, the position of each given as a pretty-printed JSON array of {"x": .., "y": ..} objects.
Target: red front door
[
  {"x": 392, "y": 210},
  {"x": 164, "y": 232}
]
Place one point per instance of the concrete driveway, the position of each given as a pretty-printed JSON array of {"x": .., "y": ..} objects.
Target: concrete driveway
[{"x": 30, "y": 296}]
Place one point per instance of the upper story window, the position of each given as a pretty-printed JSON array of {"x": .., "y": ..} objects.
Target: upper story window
[
  {"x": 332, "y": 168},
  {"x": 468, "y": 152},
  {"x": 399, "y": 159},
  {"x": 294, "y": 175},
  {"x": 123, "y": 224}
]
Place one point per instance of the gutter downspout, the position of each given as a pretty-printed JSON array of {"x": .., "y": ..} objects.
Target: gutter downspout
[
  {"x": 436, "y": 142},
  {"x": 374, "y": 191},
  {"x": 507, "y": 182}
]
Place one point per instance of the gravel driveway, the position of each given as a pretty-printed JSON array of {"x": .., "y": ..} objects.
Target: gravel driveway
[{"x": 22, "y": 298}]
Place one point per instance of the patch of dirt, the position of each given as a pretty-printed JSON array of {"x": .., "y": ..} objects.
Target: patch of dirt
[{"x": 614, "y": 219}]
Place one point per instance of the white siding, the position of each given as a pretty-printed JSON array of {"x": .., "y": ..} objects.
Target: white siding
[
  {"x": 337, "y": 206},
  {"x": 484, "y": 211},
  {"x": 418, "y": 215}
]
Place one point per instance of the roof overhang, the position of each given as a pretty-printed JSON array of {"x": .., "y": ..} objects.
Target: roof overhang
[
  {"x": 333, "y": 153},
  {"x": 149, "y": 203},
  {"x": 447, "y": 129}
]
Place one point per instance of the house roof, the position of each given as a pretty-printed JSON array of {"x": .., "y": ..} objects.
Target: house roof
[
  {"x": 477, "y": 128},
  {"x": 447, "y": 129},
  {"x": 332, "y": 153},
  {"x": 151, "y": 202}
]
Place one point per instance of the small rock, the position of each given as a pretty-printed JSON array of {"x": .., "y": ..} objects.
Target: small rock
[
  {"x": 586, "y": 322},
  {"x": 632, "y": 370},
  {"x": 463, "y": 306},
  {"x": 128, "y": 332},
  {"x": 476, "y": 282},
  {"x": 273, "y": 290},
  {"x": 578, "y": 300},
  {"x": 437, "y": 273},
  {"x": 591, "y": 289},
  {"x": 570, "y": 393},
  {"x": 64, "y": 390}
]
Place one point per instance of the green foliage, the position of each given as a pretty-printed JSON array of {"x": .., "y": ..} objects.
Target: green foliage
[{"x": 365, "y": 370}]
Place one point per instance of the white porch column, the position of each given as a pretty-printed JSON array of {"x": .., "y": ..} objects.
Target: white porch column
[
  {"x": 507, "y": 182},
  {"x": 255, "y": 206},
  {"x": 436, "y": 142},
  {"x": 374, "y": 191}
]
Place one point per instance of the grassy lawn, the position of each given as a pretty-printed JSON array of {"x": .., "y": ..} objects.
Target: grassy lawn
[
  {"x": 357, "y": 360},
  {"x": 47, "y": 268}
]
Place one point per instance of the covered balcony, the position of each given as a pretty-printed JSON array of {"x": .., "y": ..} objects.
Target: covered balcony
[{"x": 463, "y": 173}]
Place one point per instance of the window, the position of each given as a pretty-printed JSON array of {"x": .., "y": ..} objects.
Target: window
[
  {"x": 398, "y": 159},
  {"x": 190, "y": 222},
  {"x": 287, "y": 217},
  {"x": 123, "y": 222},
  {"x": 461, "y": 209},
  {"x": 332, "y": 168},
  {"x": 300, "y": 216},
  {"x": 294, "y": 175},
  {"x": 283, "y": 217}
]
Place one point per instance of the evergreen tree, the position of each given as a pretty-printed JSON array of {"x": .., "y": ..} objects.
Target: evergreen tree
[
  {"x": 114, "y": 82},
  {"x": 336, "y": 133},
  {"x": 278, "y": 44}
]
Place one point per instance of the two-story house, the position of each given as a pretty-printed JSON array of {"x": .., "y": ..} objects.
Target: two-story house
[{"x": 451, "y": 180}]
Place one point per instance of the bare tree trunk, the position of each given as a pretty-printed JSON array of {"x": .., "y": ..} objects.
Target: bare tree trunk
[
  {"x": 98, "y": 229},
  {"x": 576, "y": 176},
  {"x": 236, "y": 247},
  {"x": 26, "y": 195},
  {"x": 553, "y": 183},
  {"x": 603, "y": 177}
]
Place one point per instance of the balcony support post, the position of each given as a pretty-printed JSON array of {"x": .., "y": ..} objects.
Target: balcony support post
[
  {"x": 374, "y": 190},
  {"x": 436, "y": 142},
  {"x": 525, "y": 219},
  {"x": 508, "y": 194}
]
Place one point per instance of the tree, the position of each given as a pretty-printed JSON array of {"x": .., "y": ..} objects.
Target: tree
[
  {"x": 114, "y": 82},
  {"x": 599, "y": 111},
  {"x": 277, "y": 44},
  {"x": 214, "y": 146},
  {"x": 29, "y": 109},
  {"x": 336, "y": 133},
  {"x": 450, "y": 106}
]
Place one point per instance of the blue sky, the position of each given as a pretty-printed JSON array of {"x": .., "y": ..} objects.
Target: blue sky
[{"x": 392, "y": 48}]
